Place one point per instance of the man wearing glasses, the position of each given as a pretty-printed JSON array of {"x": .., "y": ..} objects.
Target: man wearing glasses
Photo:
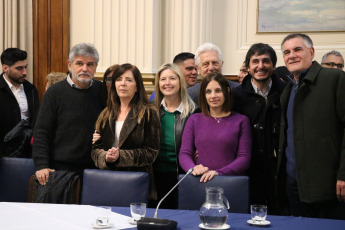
[{"x": 333, "y": 59}]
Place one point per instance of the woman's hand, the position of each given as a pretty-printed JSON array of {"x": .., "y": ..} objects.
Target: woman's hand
[
  {"x": 199, "y": 170},
  {"x": 95, "y": 137},
  {"x": 112, "y": 155},
  {"x": 208, "y": 176}
]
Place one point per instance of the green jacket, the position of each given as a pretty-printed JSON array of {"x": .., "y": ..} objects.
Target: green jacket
[{"x": 319, "y": 122}]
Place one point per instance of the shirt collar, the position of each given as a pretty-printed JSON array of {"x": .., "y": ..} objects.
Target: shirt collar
[
  {"x": 10, "y": 85},
  {"x": 258, "y": 91},
  {"x": 73, "y": 85},
  {"x": 179, "y": 108}
]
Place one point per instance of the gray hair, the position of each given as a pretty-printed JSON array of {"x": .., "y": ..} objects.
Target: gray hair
[
  {"x": 334, "y": 52},
  {"x": 83, "y": 49},
  {"x": 204, "y": 48},
  {"x": 307, "y": 40}
]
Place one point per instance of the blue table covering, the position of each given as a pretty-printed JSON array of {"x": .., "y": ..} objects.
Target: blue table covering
[{"x": 190, "y": 220}]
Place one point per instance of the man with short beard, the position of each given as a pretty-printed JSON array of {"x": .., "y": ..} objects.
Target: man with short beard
[
  {"x": 66, "y": 119},
  {"x": 258, "y": 98},
  {"x": 19, "y": 104}
]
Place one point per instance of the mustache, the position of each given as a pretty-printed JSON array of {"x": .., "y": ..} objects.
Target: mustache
[{"x": 84, "y": 73}]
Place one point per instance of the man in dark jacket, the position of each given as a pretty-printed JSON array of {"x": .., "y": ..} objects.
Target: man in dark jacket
[
  {"x": 66, "y": 119},
  {"x": 311, "y": 159},
  {"x": 19, "y": 103},
  {"x": 258, "y": 98}
]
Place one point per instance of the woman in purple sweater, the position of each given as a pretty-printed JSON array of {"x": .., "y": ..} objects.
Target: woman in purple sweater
[{"x": 221, "y": 137}]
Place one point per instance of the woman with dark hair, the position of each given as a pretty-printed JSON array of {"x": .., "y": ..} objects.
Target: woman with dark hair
[
  {"x": 106, "y": 84},
  {"x": 175, "y": 106},
  {"x": 129, "y": 127},
  {"x": 221, "y": 137}
]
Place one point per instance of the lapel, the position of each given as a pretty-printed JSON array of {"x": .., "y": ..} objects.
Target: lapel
[
  {"x": 128, "y": 126},
  {"x": 313, "y": 72},
  {"x": 4, "y": 86}
]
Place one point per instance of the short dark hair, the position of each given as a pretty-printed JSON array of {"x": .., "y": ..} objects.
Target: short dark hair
[
  {"x": 224, "y": 84},
  {"x": 11, "y": 55},
  {"x": 181, "y": 57},
  {"x": 260, "y": 49}
]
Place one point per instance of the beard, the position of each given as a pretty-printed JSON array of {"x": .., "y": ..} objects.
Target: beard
[
  {"x": 15, "y": 79},
  {"x": 263, "y": 79},
  {"x": 82, "y": 80}
]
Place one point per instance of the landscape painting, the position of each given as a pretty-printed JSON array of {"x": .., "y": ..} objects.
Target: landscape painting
[{"x": 300, "y": 16}]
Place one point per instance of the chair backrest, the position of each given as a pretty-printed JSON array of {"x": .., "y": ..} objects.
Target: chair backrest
[
  {"x": 114, "y": 188},
  {"x": 14, "y": 178},
  {"x": 192, "y": 193}
]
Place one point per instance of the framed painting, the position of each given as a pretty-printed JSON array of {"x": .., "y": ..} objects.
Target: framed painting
[{"x": 300, "y": 16}]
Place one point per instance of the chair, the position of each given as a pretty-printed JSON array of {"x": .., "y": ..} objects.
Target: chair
[
  {"x": 71, "y": 197},
  {"x": 192, "y": 194},
  {"x": 114, "y": 188},
  {"x": 14, "y": 178}
]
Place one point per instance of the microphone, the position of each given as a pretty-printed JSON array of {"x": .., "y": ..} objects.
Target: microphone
[
  {"x": 158, "y": 223},
  {"x": 189, "y": 172}
]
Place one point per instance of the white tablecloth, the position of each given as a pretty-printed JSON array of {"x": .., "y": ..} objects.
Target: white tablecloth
[{"x": 33, "y": 216}]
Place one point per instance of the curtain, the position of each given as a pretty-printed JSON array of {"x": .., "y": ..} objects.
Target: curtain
[{"x": 16, "y": 28}]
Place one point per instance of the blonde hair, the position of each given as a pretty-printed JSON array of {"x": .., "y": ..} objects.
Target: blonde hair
[
  {"x": 188, "y": 105},
  {"x": 55, "y": 77}
]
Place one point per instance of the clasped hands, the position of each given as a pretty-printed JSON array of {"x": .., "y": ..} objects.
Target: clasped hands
[
  {"x": 112, "y": 155},
  {"x": 205, "y": 172}
]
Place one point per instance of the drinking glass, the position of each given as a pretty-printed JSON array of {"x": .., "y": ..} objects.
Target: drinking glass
[
  {"x": 103, "y": 216},
  {"x": 138, "y": 210},
  {"x": 258, "y": 213}
]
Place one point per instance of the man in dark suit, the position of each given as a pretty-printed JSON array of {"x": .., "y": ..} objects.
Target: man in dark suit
[
  {"x": 19, "y": 105},
  {"x": 311, "y": 156}
]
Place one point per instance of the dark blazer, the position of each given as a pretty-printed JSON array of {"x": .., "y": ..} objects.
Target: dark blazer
[
  {"x": 138, "y": 143},
  {"x": 10, "y": 111},
  {"x": 264, "y": 115},
  {"x": 319, "y": 122}
]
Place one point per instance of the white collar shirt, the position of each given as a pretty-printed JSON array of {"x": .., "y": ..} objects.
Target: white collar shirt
[{"x": 20, "y": 96}]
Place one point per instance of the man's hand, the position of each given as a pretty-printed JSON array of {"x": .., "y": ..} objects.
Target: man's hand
[
  {"x": 43, "y": 175},
  {"x": 95, "y": 137},
  {"x": 208, "y": 176},
  {"x": 341, "y": 190},
  {"x": 112, "y": 155}
]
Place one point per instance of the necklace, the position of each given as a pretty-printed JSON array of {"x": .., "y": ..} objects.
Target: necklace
[{"x": 218, "y": 119}]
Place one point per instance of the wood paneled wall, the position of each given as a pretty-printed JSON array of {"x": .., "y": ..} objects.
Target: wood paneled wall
[{"x": 51, "y": 39}]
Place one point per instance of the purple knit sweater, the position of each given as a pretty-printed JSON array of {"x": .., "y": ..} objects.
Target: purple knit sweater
[{"x": 224, "y": 147}]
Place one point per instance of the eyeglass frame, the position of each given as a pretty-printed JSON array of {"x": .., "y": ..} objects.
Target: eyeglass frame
[
  {"x": 109, "y": 79},
  {"x": 332, "y": 64}
]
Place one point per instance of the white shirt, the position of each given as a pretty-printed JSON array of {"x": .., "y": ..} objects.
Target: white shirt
[
  {"x": 118, "y": 128},
  {"x": 20, "y": 96},
  {"x": 179, "y": 108},
  {"x": 258, "y": 91},
  {"x": 73, "y": 85}
]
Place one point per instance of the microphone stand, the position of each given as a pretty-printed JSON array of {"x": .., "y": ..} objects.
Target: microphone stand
[
  {"x": 189, "y": 172},
  {"x": 158, "y": 223}
]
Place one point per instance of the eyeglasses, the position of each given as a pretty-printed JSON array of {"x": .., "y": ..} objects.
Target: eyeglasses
[
  {"x": 332, "y": 64},
  {"x": 108, "y": 80}
]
